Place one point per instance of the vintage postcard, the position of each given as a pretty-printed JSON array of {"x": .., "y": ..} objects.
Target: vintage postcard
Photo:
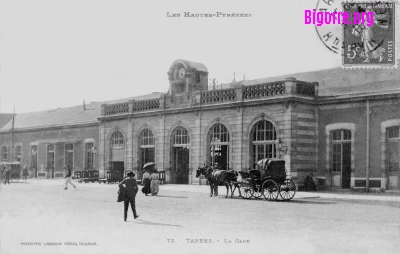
[{"x": 224, "y": 126}]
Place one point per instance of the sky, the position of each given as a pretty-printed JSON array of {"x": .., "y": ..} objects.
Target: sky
[{"x": 57, "y": 53}]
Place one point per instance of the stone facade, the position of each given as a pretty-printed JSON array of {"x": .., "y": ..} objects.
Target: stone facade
[{"x": 285, "y": 118}]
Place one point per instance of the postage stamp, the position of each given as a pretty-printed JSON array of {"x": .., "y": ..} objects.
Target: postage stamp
[{"x": 369, "y": 41}]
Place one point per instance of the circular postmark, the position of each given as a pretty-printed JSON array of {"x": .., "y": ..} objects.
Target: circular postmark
[
  {"x": 368, "y": 34},
  {"x": 330, "y": 34}
]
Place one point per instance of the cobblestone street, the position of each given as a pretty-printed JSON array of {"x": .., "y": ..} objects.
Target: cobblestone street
[{"x": 39, "y": 216}]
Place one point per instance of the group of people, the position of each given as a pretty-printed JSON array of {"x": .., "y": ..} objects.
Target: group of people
[{"x": 150, "y": 183}]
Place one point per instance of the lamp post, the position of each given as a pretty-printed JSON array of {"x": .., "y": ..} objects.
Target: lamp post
[{"x": 281, "y": 147}]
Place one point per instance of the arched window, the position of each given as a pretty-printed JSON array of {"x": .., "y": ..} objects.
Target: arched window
[
  {"x": 218, "y": 140},
  {"x": 146, "y": 149},
  {"x": 117, "y": 140},
  {"x": 180, "y": 137},
  {"x": 89, "y": 155},
  {"x": 219, "y": 134},
  {"x": 146, "y": 138},
  {"x": 264, "y": 141}
]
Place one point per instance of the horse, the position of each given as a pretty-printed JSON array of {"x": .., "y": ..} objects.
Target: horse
[
  {"x": 218, "y": 177},
  {"x": 206, "y": 172},
  {"x": 224, "y": 177}
]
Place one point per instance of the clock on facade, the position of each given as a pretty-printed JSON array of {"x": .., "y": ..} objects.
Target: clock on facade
[{"x": 180, "y": 73}]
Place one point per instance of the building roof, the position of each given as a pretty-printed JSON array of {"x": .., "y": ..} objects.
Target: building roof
[
  {"x": 4, "y": 119},
  {"x": 338, "y": 81},
  {"x": 332, "y": 82},
  {"x": 67, "y": 115}
]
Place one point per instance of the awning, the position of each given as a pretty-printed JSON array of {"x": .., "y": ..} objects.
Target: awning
[{"x": 57, "y": 140}]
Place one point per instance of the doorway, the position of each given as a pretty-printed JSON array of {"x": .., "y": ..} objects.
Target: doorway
[
  {"x": 346, "y": 165},
  {"x": 147, "y": 155},
  {"x": 181, "y": 164},
  {"x": 117, "y": 170},
  {"x": 220, "y": 156}
]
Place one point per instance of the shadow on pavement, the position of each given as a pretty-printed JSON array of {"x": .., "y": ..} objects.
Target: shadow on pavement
[
  {"x": 143, "y": 222},
  {"x": 302, "y": 201},
  {"x": 162, "y": 196}
]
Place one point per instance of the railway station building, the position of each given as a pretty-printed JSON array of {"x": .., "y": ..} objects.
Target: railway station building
[{"x": 341, "y": 125}]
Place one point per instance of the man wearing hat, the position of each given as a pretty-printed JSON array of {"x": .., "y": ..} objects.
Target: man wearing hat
[{"x": 131, "y": 189}]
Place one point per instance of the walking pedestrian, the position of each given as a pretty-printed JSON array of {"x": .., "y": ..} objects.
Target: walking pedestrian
[
  {"x": 25, "y": 172},
  {"x": 154, "y": 184},
  {"x": 7, "y": 175},
  {"x": 68, "y": 174},
  {"x": 131, "y": 189},
  {"x": 146, "y": 183}
]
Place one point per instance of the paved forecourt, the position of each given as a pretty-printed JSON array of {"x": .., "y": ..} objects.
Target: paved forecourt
[{"x": 39, "y": 216}]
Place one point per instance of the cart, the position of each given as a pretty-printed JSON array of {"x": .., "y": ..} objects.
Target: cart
[
  {"x": 87, "y": 176},
  {"x": 15, "y": 168},
  {"x": 269, "y": 180}
]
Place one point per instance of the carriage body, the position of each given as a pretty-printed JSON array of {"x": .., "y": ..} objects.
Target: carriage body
[
  {"x": 269, "y": 180},
  {"x": 15, "y": 168},
  {"x": 275, "y": 171}
]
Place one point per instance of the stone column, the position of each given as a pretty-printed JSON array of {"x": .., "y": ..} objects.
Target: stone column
[
  {"x": 101, "y": 152},
  {"x": 129, "y": 144},
  {"x": 161, "y": 143},
  {"x": 196, "y": 146},
  {"x": 287, "y": 139},
  {"x": 290, "y": 85}
]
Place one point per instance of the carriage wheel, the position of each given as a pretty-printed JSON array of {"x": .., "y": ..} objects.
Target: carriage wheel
[
  {"x": 245, "y": 190},
  {"x": 270, "y": 190},
  {"x": 287, "y": 189},
  {"x": 257, "y": 193},
  {"x": 15, "y": 179}
]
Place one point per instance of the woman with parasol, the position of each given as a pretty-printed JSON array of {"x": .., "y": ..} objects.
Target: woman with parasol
[{"x": 146, "y": 178}]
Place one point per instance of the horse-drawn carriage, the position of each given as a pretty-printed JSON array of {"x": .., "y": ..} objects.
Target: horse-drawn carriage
[
  {"x": 269, "y": 180},
  {"x": 14, "y": 167}
]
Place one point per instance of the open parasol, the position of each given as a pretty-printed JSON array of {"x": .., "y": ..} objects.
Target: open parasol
[
  {"x": 263, "y": 163},
  {"x": 148, "y": 164}
]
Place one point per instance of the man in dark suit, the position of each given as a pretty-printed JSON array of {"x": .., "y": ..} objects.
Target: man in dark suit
[
  {"x": 131, "y": 189},
  {"x": 7, "y": 175}
]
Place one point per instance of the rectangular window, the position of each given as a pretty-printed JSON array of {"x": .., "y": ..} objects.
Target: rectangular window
[
  {"x": 337, "y": 135},
  {"x": 393, "y": 156},
  {"x": 18, "y": 153},
  {"x": 393, "y": 132},
  {"x": 393, "y": 149},
  {"x": 337, "y": 158},
  {"x": 89, "y": 158},
  {"x": 34, "y": 157},
  {"x": 50, "y": 156},
  {"x": 69, "y": 155},
  {"x": 4, "y": 153}
]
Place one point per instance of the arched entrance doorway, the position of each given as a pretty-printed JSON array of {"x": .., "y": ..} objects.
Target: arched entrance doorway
[
  {"x": 146, "y": 150},
  {"x": 218, "y": 152},
  {"x": 264, "y": 142},
  {"x": 180, "y": 156},
  {"x": 117, "y": 153}
]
